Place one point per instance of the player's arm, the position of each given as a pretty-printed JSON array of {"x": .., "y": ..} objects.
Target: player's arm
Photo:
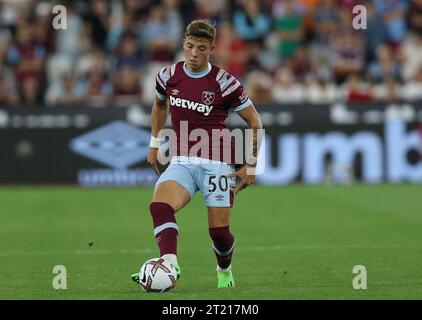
[
  {"x": 159, "y": 115},
  {"x": 247, "y": 172}
]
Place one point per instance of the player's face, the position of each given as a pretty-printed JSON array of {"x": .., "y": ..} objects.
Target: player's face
[{"x": 197, "y": 52}]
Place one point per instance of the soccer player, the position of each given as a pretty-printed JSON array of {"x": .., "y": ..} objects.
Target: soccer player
[{"x": 200, "y": 96}]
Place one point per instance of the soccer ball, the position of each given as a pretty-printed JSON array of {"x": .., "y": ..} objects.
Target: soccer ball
[{"x": 157, "y": 275}]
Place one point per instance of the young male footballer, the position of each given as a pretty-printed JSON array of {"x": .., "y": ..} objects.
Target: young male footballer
[{"x": 199, "y": 96}]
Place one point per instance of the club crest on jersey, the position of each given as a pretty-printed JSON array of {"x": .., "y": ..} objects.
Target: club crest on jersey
[{"x": 208, "y": 97}]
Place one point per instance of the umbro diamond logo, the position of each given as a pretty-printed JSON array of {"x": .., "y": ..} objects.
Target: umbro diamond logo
[{"x": 117, "y": 144}]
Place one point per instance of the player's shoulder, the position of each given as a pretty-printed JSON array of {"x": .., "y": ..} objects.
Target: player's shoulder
[
  {"x": 169, "y": 71},
  {"x": 226, "y": 81}
]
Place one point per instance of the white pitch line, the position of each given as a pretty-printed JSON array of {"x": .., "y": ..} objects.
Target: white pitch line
[
  {"x": 240, "y": 248},
  {"x": 333, "y": 247}
]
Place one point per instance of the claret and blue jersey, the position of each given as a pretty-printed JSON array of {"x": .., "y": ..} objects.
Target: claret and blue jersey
[{"x": 202, "y": 100}]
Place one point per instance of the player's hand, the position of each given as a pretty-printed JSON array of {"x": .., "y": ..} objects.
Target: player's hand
[
  {"x": 245, "y": 178},
  {"x": 152, "y": 159}
]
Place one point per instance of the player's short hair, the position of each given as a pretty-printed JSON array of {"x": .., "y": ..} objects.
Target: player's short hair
[{"x": 201, "y": 28}]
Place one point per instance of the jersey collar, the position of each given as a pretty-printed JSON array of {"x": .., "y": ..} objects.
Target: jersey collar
[{"x": 195, "y": 74}]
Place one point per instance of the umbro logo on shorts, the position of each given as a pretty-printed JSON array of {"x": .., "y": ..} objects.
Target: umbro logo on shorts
[{"x": 219, "y": 197}]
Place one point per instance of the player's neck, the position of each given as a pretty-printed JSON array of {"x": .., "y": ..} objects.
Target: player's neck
[{"x": 197, "y": 72}]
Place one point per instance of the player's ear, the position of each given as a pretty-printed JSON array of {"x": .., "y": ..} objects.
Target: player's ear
[{"x": 212, "y": 47}]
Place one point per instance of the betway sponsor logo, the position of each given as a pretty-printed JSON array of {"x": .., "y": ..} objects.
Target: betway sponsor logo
[{"x": 203, "y": 108}]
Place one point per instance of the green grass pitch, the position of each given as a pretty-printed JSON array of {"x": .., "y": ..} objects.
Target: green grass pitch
[{"x": 293, "y": 242}]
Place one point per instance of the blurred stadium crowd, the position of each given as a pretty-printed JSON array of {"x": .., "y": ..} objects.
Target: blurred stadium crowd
[{"x": 287, "y": 51}]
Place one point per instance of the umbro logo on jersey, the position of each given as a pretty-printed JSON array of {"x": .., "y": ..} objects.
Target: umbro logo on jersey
[
  {"x": 203, "y": 108},
  {"x": 175, "y": 92}
]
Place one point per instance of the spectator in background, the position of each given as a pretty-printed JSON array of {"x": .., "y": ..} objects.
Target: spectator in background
[
  {"x": 412, "y": 57},
  {"x": 67, "y": 45},
  {"x": 28, "y": 59},
  {"x": 42, "y": 25},
  {"x": 97, "y": 21},
  {"x": 94, "y": 88},
  {"x": 126, "y": 25},
  {"x": 87, "y": 60},
  {"x": 311, "y": 38},
  {"x": 211, "y": 10},
  {"x": 185, "y": 12},
  {"x": 12, "y": 11},
  {"x": 29, "y": 92},
  {"x": 354, "y": 90},
  {"x": 128, "y": 53},
  {"x": 251, "y": 23},
  {"x": 8, "y": 96},
  {"x": 325, "y": 21},
  {"x": 128, "y": 16},
  {"x": 86, "y": 42},
  {"x": 300, "y": 63},
  {"x": 258, "y": 85},
  {"x": 374, "y": 33},
  {"x": 412, "y": 91},
  {"x": 347, "y": 4},
  {"x": 67, "y": 42},
  {"x": 4, "y": 43},
  {"x": 289, "y": 26},
  {"x": 171, "y": 7},
  {"x": 286, "y": 89},
  {"x": 62, "y": 93},
  {"x": 161, "y": 35},
  {"x": 414, "y": 17},
  {"x": 388, "y": 91},
  {"x": 230, "y": 51},
  {"x": 321, "y": 67},
  {"x": 393, "y": 14},
  {"x": 320, "y": 90},
  {"x": 126, "y": 87},
  {"x": 347, "y": 47},
  {"x": 385, "y": 66},
  {"x": 309, "y": 7},
  {"x": 141, "y": 9}
]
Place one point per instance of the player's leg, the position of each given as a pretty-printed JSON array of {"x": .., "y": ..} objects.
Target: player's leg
[
  {"x": 217, "y": 190},
  {"x": 222, "y": 243},
  {"x": 169, "y": 197},
  {"x": 173, "y": 191}
]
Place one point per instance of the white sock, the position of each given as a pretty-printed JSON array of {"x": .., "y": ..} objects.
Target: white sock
[
  {"x": 171, "y": 257},
  {"x": 225, "y": 269}
]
